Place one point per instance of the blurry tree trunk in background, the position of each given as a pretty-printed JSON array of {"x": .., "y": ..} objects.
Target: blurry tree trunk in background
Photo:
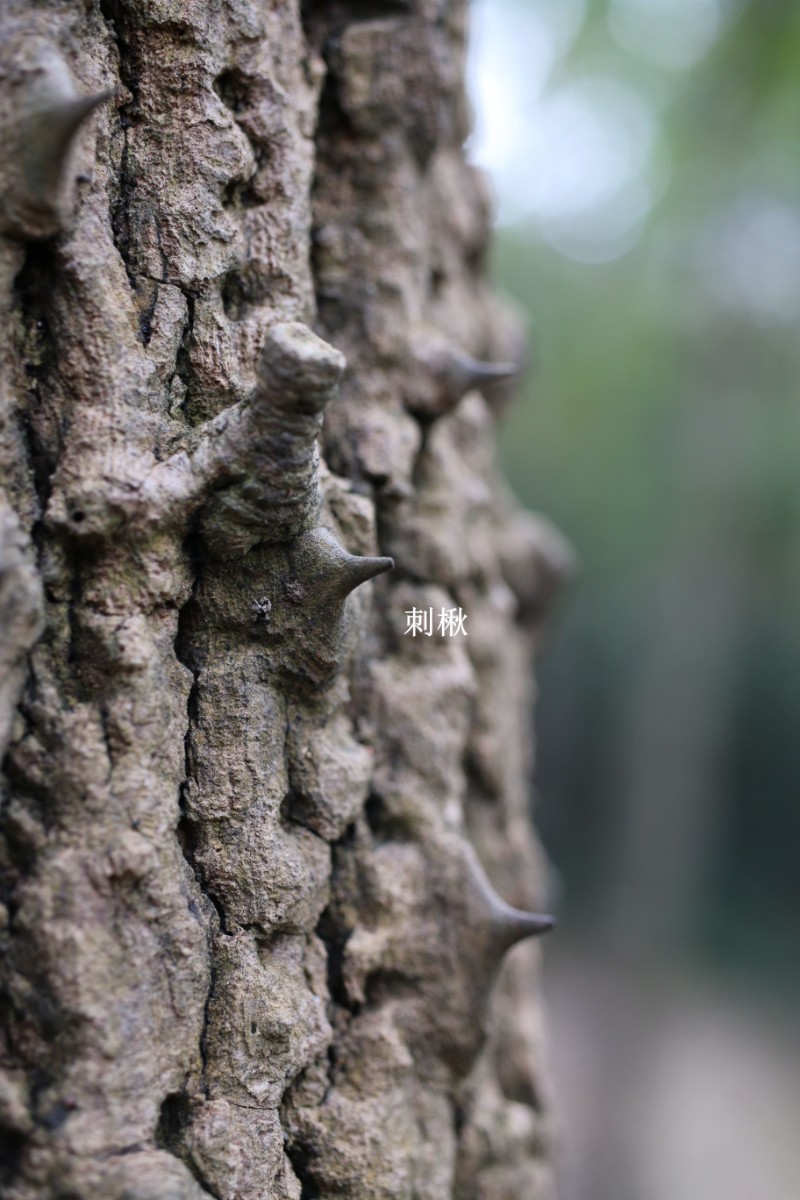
[{"x": 248, "y": 950}]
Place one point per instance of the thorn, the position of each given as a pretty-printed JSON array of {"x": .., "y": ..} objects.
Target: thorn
[
  {"x": 359, "y": 570},
  {"x": 503, "y": 926},
  {"x": 466, "y": 372},
  {"x": 50, "y": 136},
  {"x": 447, "y": 374},
  {"x": 39, "y": 203},
  {"x": 317, "y": 576},
  {"x": 512, "y": 925},
  {"x": 41, "y": 118},
  {"x": 329, "y": 571}
]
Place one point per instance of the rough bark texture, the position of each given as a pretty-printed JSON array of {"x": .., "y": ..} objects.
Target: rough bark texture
[{"x": 248, "y": 948}]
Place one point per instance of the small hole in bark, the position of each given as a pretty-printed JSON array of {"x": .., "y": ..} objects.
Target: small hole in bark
[
  {"x": 172, "y": 1121},
  {"x": 77, "y": 516},
  {"x": 241, "y": 194},
  {"x": 295, "y": 809},
  {"x": 234, "y": 298},
  {"x": 241, "y": 291},
  {"x": 476, "y": 259},
  {"x": 233, "y": 88},
  {"x": 386, "y": 826},
  {"x": 436, "y": 281}
]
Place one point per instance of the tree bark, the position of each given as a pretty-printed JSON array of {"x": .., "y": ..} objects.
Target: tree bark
[{"x": 249, "y": 950}]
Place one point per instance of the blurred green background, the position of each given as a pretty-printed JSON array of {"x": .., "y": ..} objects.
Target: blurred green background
[{"x": 646, "y": 159}]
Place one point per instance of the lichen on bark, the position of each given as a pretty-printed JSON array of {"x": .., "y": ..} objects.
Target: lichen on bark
[{"x": 251, "y": 947}]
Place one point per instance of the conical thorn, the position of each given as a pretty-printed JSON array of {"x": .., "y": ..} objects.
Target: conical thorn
[
  {"x": 51, "y": 134},
  {"x": 359, "y": 570},
  {"x": 512, "y": 925},
  {"x": 503, "y": 924},
  {"x": 468, "y": 372},
  {"x": 442, "y": 374},
  {"x": 329, "y": 572}
]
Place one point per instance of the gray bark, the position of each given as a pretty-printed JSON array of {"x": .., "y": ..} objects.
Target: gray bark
[{"x": 249, "y": 949}]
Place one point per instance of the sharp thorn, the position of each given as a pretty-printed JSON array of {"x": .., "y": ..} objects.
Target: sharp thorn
[
  {"x": 51, "y": 136},
  {"x": 512, "y": 925},
  {"x": 329, "y": 570},
  {"x": 359, "y": 570},
  {"x": 472, "y": 372},
  {"x": 447, "y": 374},
  {"x": 351, "y": 571},
  {"x": 504, "y": 925}
]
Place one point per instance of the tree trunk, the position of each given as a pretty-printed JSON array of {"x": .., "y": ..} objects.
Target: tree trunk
[{"x": 248, "y": 947}]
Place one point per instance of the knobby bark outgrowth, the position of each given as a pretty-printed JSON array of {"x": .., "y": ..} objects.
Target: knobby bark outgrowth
[{"x": 249, "y": 950}]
